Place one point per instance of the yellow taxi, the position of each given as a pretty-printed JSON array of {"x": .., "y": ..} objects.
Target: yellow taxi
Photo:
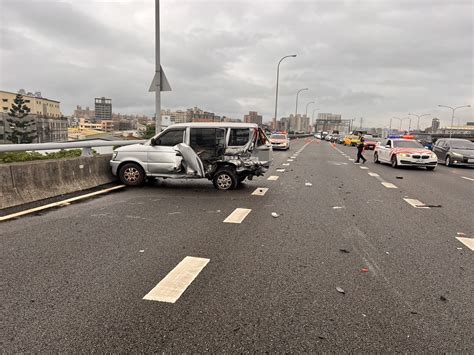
[{"x": 351, "y": 139}]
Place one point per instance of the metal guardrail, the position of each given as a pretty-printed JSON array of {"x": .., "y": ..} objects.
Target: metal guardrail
[{"x": 86, "y": 146}]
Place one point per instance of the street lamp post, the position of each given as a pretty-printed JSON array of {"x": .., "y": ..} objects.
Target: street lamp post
[
  {"x": 419, "y": 116},
  {"x": 306, "y": 112},
  {"x": 390, "y": 128},
  {"x": 312, "y": 119},
  {"x": 309, "y": 103},
  {"x": 296, "y": 109},
  {"x": 276, "y": 94},
  {"x": 452, "y": 117}
]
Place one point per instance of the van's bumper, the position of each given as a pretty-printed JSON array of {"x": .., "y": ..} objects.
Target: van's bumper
[{"x": 114, "y": 165}]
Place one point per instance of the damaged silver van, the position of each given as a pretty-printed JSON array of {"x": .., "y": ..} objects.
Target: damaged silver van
[{"x": 225, "y": 153}]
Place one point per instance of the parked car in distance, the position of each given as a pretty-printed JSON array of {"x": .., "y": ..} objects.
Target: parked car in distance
[
  {"x": 454, "y": 151},
  {"x": 279, "y": 140},
  {"x": 404, "y": 152},
  {"x": 318, "y": 136},
  {"x": 225, "y": 153}
]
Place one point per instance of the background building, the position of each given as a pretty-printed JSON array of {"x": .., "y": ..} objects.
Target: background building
[
  {"x": 253, "y": 117},
  {"x": 49, "y": 123},
  {"x": 103, "y": 108},
  {"x": 434, "y": 125}
]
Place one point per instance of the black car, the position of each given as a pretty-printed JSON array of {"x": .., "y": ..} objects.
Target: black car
[{"x": 455, "y": 151}]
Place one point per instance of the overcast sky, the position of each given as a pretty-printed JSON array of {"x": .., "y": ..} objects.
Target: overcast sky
[{"x": 371, "y": 58}]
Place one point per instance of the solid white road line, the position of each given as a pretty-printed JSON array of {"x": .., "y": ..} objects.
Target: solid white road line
[
  {"x": 373, "y": 174},
  {"x": 415, "y": 203},
  {"x": 59, "y": 203},
  {"x": 364, "y": 168},
  {"x": 280, "y": 170},
  {"x": 389, "y": 185},
  {"x": 237, "y": 216},
  {"x": 177, "y": 281},
  {"x": 260, "y": 191},
  {"x": 464, "y": 177},
  {"x": 273, "y": 177},
  {"x": 469, "y": 242}
]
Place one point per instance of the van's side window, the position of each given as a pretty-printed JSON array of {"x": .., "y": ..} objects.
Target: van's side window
[
  {"x": 239, "y": 136},
  {"x": 171, "y": 138}
]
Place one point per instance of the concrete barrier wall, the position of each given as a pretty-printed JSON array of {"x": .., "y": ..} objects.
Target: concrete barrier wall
[{"x": 32, "y": 181}]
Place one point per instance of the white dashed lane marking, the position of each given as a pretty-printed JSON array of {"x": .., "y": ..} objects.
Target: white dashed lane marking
[
  {"x": 260, "y": 191},
  {"x": 389, "y": 185},
  {"x": 469, "y": 242},
  {"x": 237, "y": 216},
  {"x": 285, "y": 164},
  {"x": 273, "y": 177},
  {"x": 177, "y": 281},
  {"x": 464, "y": 177},
  {"x": 364, "y": 168},
  {"x": 415, "y": 203},
  {"x": 373, "y": 174},
  {"x": 280, "y": 170},
  {"x": 289, "y": 159}
]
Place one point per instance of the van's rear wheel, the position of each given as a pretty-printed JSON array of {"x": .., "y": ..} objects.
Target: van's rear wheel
[
  {"x": 132, "y": 174},
  {"x": 225, "y": 179}
]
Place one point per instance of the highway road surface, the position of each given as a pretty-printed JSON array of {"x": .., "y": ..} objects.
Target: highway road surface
[{"x": 319, "y": 255}]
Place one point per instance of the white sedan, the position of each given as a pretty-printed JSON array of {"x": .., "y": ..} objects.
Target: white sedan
[{"x": 404, "y": 152}]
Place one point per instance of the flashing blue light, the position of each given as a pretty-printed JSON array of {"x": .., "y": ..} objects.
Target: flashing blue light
[{"x": 392, "y": 137}]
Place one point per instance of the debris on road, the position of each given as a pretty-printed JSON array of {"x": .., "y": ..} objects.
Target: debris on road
[
  {"x": 308, "y": 184},
  {"x": 426, "y": 205},
  {"x": 442, "y": 298},
  {"x": 399, "y": 177},
  {"x": 364, "y": 269},
  {"x": 337, "y": 207},
  {"x": 275, "y": 215},
  {"x": 340, "y": 290},
  {"x": 387, "y": 253},
  {"x": 461, "y": 234},
  {"x": 141, "y": 251},
  {"x": 345, "y": 251}
]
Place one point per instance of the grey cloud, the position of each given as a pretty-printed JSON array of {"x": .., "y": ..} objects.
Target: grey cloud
[{"x": 359, "y": 58}]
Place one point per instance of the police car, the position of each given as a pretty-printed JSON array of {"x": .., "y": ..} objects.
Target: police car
[{"x": 404, "y": 151}]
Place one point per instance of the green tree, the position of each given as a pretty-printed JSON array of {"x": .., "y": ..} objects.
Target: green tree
[
  {"x": 22, "y": 128},
  {"x": 150, "y": 131}
]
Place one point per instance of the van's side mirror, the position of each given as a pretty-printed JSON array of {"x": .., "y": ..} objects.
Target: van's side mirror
[{"x": 152, "y": 141}]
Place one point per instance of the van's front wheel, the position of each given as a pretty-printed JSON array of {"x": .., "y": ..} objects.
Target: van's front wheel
[
  {"x": 132, "y": 174},
  {"x": 225, "y": 179}
]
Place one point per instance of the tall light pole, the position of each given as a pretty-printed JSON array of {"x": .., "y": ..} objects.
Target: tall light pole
[
  {"x": 309, "y": 103},
  {"x": 452, "y": 117},
  {"x": 390, "y": 128},
  {"x": 276, "y": 94},
  {"x": 312, "y": 119},
  {"x": 419, "y": 116},
  {"x": 296, "y": 109},
  {"x": 157, "y": 69},
  {"x": 160, "y": 82}
]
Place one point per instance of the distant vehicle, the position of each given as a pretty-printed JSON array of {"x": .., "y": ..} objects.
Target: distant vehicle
[
  {"x": 323, "y": 135},
  {"x": 318, "y": 136},
  {"x": 369, "y": 142},
  {"x": 226, "y": 153},
  {"x": 340, "y": 139},
  {"x": 453, "y": 151},
  {"x": 280, "y": 140},
  {"x": 352, "y": 139},
  {"x": 328, "y": 137},
  {"x": 404, "y": 152},
  {"x": 426, "y": 140}
]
